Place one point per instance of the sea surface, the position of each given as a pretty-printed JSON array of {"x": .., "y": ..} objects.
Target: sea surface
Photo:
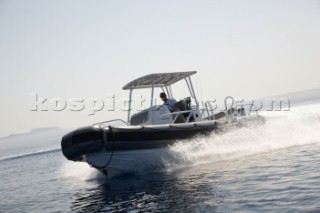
[{"x": 274, "y": 167}]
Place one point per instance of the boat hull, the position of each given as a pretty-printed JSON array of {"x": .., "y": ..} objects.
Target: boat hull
[
  {"x": 94, "y": 139},
  {"x": 120, "y": 162},
  {"x": 117, "y": 150}
]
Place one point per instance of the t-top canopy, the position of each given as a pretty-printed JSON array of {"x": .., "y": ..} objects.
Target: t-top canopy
[{"x": 158, "y": 80}]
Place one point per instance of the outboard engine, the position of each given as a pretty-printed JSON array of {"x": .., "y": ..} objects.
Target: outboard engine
[
  {"x": 185, "y": 104},
  {"x": 82, "y": 141}
]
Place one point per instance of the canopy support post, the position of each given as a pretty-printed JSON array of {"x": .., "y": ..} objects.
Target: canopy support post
[{"x": 129, "y": 109}]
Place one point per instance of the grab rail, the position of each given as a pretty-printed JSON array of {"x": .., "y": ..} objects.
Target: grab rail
[
  {"x": 110, "y": 121},
  {"x": 176, "y": 115}
]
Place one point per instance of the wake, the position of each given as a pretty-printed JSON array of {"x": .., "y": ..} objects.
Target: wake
[
  {"x": 282, "y": 129},
  {"x": 28, "y": 154}
]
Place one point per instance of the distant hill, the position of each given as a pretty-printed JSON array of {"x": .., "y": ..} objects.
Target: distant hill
[
  {"x": 280, "y": 102},
  {"x": 287, "y": 99},
  {"x": 33, "y": 131},
  {"x": 33, "y": 141},
  {"x": 302, "y": 96}
]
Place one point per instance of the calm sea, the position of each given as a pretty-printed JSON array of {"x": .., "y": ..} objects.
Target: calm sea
[{"x": 270, "y": 168}]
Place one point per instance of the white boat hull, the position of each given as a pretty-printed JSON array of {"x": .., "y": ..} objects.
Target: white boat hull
[{"x": 120, "y": 162}]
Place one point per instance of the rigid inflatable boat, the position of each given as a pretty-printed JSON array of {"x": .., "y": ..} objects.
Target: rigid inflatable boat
[{"x": 115, "y": 147}]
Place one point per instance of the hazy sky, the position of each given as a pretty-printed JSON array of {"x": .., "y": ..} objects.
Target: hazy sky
[{"x": 87, "y": 49}]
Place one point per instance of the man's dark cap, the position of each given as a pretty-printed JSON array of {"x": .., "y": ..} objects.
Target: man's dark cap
[{"x": 162, "y": 95}]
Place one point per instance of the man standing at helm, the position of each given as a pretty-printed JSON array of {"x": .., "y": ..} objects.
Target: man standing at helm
[{"x": 169, "y": 102}]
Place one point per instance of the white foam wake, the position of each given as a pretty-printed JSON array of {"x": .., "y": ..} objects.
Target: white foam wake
[
  {"x": 299, "y": 126},
  {"x": 78, "y": 171}
]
